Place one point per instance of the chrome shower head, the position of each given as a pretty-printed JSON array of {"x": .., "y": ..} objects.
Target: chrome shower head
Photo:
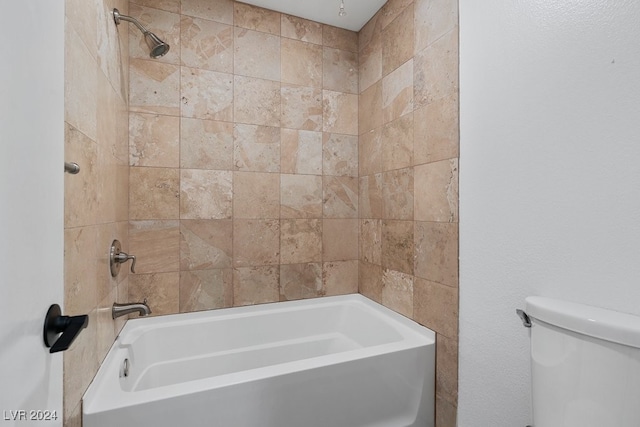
[{"x": 157, "y": 47}]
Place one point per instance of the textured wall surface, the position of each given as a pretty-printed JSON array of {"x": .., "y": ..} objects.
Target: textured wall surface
[
  {"x": 408, "y": 172},
  {"x": 243, "y": 149},
  {"x": 549, "y": 184},
  {"x": 96, "y": 199}
]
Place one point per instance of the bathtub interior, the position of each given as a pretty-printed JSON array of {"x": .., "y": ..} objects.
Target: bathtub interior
[{"x": 179, "y": 350}]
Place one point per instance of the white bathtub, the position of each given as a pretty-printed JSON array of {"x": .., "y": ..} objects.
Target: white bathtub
[{"x": 330, "y": 362}]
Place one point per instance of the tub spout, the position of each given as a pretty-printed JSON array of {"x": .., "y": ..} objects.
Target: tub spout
[{"x": 123, "y": 309}]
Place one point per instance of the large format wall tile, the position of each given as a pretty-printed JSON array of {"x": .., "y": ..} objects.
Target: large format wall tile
[
  {"x": 205, "y": 194},
  {"x": 206, "y": 44},
  {"x": 206, "y": 94}
]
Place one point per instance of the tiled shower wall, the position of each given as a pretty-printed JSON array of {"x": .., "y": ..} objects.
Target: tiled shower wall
[
  {"x": 408, "y": 151},
  {"x": 243, "y": 151},
  {"x": 96, "y": 199}
]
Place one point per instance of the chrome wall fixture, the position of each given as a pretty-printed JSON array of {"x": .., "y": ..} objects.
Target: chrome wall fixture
[
  {"x": 71, "y": 167},
  {"x": 157, "y": 47}
]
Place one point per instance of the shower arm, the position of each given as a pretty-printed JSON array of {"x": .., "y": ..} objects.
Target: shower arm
[{"x": 117, "y": 17}]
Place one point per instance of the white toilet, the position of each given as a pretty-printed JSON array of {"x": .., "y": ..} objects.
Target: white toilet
[{"x": 585, "y": 365}]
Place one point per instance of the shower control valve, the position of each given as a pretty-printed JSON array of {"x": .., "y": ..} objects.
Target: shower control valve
[{"x": 117, "y": 257}]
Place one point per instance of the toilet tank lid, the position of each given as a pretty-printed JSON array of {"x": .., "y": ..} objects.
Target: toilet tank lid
[{"x": 608, "y": 325}]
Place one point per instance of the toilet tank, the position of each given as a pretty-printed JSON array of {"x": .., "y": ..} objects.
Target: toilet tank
[{"x": 585, "y": 365}]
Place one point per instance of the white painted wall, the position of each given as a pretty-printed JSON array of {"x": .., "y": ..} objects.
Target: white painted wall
[{"x": 550, "y": 180}]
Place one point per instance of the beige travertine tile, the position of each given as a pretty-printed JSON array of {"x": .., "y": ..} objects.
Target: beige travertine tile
[
  {"x": 256, "y": 195},
  {"x": 168, "y": 5},
  {"x": 370, "y": 152},
  {"x": 122, "y": 294},
  {"x": 165, "y": 25},
  {"x": 397, "y": 245},
  {"x": 206, "y": 144},
  {"x": 433, "y": 19},
  {"x": 206, "y": 244},
  {"x": 105, "y": 334},
  {"x": 219, "y": 10},
  {"x": 397, "y": 143},
  {"x": 205, "y": 289},
  {"x": 256, "y": 148},
  {"x": 340, "y": 197},
  {"x": 74, "y": 419},
  {"x": 298, "y": 281},
  {"x": 436, "y": 307},
  {"x": 370, "y": 196},
  {"x": 340, "y": 155},
  {"x": 370, "y": 62},
  {"x": 206, "y": 44},
  {"x": 397, "y": 292},
  {"x": 206, "y": 94},
  {"x": 80, "y": 293},
  {"x": 301, "y": 107},
  {"x": 339, "y": 239},
  {"x": 371, "y": 241},
  {"x": 82, "y": 17},
  {"x": 340, "y": 70},
  {"x": 339, "y": 38},
  {"x": 340, "y": 112},
  {"x": 112, "y": 152},
  {"x": 300, "y": 241},
  {"x": 80, "y": 363},
  {"x": 392, "y": 9},
  {"x": 154, "y": 140},
  {"x": 81, "y": 80},
  {"x": 436, "y": 70},
  {"x": 156, "y": 245},
  {"x": 154, "y": 193},
  {"x": 113, "y": 46},
  {"x": 370, "y": 109},
  {"x": 397, "y": 194},
  {"x": 370, "y": 281},
  {"x": 301, "y": 152},
  {"x": 436, "y": 257},
  {"x": 436, "y": 131},
  {"x": 256, "y": 242},
  {"x": 256, "y": 101},
  {"x": 256, "y": 285},
  {"x": 436, "y": 197},
  {"x": 446, "y": 412},
  {"x": 397, "y": 92},
  {"x": 301, "y": 63},
  {"x": 397, "y": 41},
  {"x": 205, "y": 194},
  {"x": 301, "y": 29},
  {"x": 256, "y": 54},
  {"x": 80, "y": 191},
  {"x": 256, "y": 18},
  {"x": 370, "y": 30},
  {"x": 447, "y": 367},
  {"x": 300, "y": 196},
  {"x": 155, "y": 87},
  {"x": 160, "y": 289},
  {"x": 340, "y": 277}
]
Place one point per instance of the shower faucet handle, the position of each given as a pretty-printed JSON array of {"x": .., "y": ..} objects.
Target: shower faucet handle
[
  {"x": 117, "y": 257},
  {"x": 123, "y": 257}
]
